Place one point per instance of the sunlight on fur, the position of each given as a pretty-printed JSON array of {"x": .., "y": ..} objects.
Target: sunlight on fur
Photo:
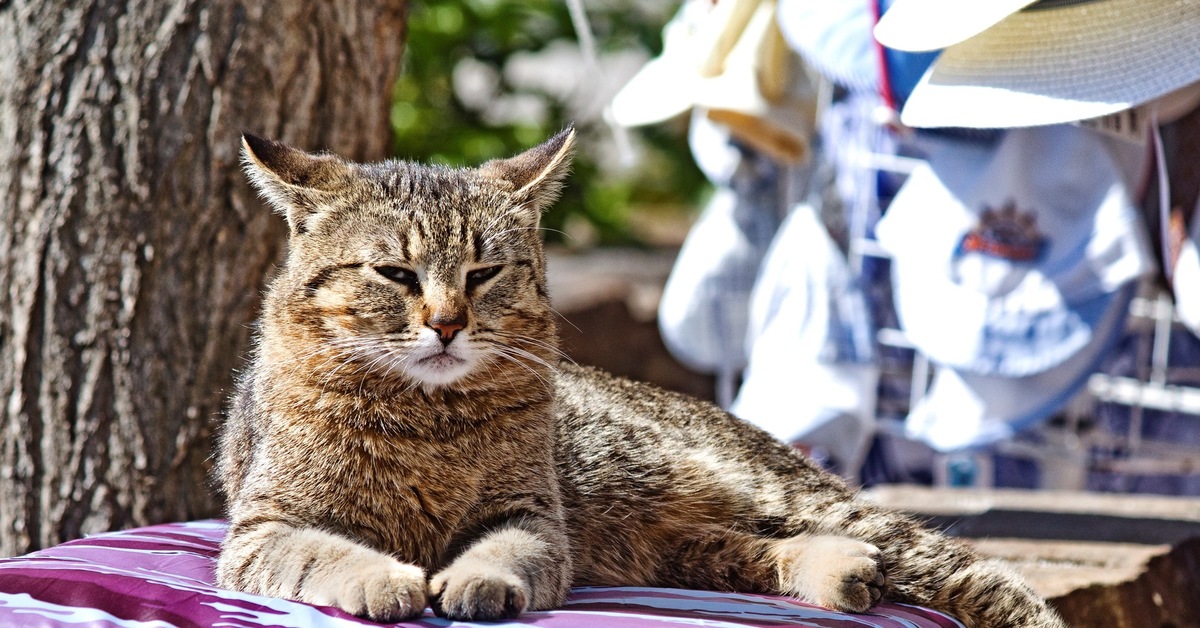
[{"x": 408, "y": 432}]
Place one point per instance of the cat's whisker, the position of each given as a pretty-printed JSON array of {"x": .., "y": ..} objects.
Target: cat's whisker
[
  {"x": 539, "y": 376},
  {"x": 513, "y": 358},
  {"x": 309, "y": 351},
  {"x": 383, "y": 355},
  {"x": 566, "y": 320},
  {"x": 412, "y": 385},
  {"x": 486, "y": 231},
  {"x": 396, "y": 362},
  {"x": 534, "y": 357},
  {"x": 488, "y": 362},
  {"x": 502, "y": 348},
  {"x": 327, "y": 344},
  {"x": 348, "y": 350},
  {"x": 341, "y": 348},
  {"x": 332, "y": 374},
  {"x": 508, "y": 378},
  {"x": 338, "y": 358},
  {"x": 397, "y": 366},
  {"x": 538, "y": 343},
  {"x": 489, "y": 237}
]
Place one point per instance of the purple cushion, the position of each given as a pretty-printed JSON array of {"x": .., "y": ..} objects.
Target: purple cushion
[{"x": 163, "y": 576}]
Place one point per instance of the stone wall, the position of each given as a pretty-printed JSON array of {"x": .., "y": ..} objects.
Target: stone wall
[{"x": 1104, "y": 560}]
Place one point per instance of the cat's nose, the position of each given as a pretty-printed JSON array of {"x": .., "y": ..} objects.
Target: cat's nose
[{"x": 447, "y": 327}]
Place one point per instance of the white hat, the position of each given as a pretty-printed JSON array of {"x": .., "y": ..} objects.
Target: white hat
[
  {"x": 1185, "y": 277},
  {"x": 920, "y": 25},
  {"x": 834, "y": 38},
  {"x": 812, "y": 374},
  {"x": 1006, "y": 255},
  {"x": 704, "y": 309},
  {"x": 1011, "y": 63},
  {"x": 731, "y": 60},
  {"x": 963, "y": 410},
  {"x": 1013, "y": 265},
  {"x": 1179, "y": 225}
]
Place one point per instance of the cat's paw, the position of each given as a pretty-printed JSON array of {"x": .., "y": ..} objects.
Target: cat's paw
[
  {"x": 835, "y": 572},
  {"x": 381, "y": 589},
  {"x": 477, "y": 591}
]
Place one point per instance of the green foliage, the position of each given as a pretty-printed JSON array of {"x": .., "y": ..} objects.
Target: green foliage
[{"x": 432, "y": 123}]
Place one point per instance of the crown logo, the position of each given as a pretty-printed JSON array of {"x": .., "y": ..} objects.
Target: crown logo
[{"x": 1005, "y": 233}]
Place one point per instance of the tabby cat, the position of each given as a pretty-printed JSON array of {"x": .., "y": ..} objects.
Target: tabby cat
[{"x": 406, "y": 433}]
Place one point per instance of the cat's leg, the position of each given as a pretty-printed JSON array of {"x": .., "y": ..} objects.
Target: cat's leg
[
  {"x": 927, "y": 568},
  {"x": 836, "y": 572},
  {"x": 519, "y": 565},
  {"x": 832, "y": 571},
  {"x": 310, "y": 565}
]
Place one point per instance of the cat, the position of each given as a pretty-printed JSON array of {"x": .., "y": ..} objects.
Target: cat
[{"x": 407, "y": 433}]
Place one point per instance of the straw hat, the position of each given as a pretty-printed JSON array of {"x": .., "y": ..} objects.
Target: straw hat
[
  {"x": 1012, "y": 63},
  {"x": 731, "y": 60}
]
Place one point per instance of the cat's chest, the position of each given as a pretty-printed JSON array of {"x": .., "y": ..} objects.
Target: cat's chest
[
  {"x": 408, "y": 498},
  {"x": 402, "y": 472}
]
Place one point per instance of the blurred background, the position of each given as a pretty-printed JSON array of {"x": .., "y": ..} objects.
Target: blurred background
[
  {"x": 484, "y": 79},
  {"x": 772, "y": 240}
]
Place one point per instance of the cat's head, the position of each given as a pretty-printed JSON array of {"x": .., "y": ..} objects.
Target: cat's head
[{"x": 411, "y": 274}]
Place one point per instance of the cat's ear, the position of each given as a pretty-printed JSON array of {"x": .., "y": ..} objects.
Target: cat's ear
[
  {"x": 293, "y": 182},
  {"x": 536, "y": 175}
]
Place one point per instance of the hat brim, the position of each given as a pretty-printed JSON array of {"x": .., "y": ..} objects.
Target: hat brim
[
  {"x": 665, "y": 88},
  {"x": 1062, "y": 64},
  {"x": 661, "y": 90},
  {"x": 965, "y": 411},
  {"x": 922, "y": 25}
]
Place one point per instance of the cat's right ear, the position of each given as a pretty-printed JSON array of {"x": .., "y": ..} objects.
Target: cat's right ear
[
  {"x": 295, "y": 183},
  {"x": 536, "y": 176}
]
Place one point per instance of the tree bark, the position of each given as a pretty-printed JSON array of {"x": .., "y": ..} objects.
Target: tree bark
[{"x": 132, "y": 252}]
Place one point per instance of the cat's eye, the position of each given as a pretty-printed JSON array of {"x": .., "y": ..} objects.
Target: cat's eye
[
  {"x": 478, "y": 276},
  {"x": 400, "y": 275}
]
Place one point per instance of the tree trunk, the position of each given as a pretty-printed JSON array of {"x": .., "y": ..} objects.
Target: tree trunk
[{"x": 131, "y": 249}]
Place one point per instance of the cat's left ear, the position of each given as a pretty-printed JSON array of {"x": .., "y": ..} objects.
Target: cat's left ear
[
  {"x": 294, "y": 182},
  {"x": 537, "y": 174}
]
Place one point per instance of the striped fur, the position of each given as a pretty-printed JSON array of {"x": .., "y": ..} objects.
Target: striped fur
[{"x": 406, "y": 433}]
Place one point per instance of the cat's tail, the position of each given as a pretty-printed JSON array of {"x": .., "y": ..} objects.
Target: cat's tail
[
  {"x": 927, "y": 568},
  {"x": 978, "y": 592}
]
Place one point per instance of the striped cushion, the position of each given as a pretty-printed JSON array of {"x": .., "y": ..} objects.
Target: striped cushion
[{"x": 162, "y": 575}]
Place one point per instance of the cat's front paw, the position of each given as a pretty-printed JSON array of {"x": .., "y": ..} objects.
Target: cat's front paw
[
  {"x": 478, "y": 591},
  {"x": 835, "y": 572},
  {"x": 382, "y": 589}
]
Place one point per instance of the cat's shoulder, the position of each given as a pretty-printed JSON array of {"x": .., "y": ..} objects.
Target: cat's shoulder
[
  {"x": 589, "y": 392},
  {"x": 589, "y": 385}
]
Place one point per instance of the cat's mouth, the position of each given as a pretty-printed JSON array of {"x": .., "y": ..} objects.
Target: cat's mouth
[
  {"x": 439, "y": 368},
  {"x": 443, "y": 360}
]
